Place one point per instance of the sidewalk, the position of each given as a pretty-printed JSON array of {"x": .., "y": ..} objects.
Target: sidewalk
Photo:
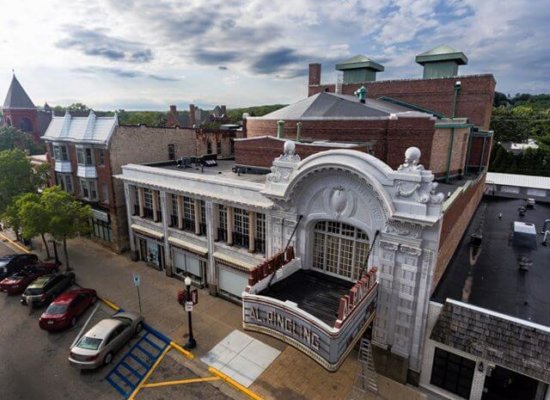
[{"x": 291, "y": 376}]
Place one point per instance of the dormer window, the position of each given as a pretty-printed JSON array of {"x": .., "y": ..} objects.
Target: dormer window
[
  {"x": 84, "y": 156},
  {"x": 60, "y": 152}
]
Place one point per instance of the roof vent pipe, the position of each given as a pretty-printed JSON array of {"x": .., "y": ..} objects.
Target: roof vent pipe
[
  {"x": 280, "y": 129},
  {"x": 361, "y": 93},
  {"x": 298, "y": 131}
]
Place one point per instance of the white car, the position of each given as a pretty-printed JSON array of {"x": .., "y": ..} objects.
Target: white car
[{"x": 97, "y": 346}]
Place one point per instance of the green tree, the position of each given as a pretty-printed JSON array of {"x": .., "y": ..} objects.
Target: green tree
[
  {"x": 11, "y": 219},
  {"x": 68, "y": 217},
  {"x": 77, "y": 107},
  {"x": 12, "y": 138},
  {"x": 16, "y": 176},
  {"x": 33, "y": 218}
]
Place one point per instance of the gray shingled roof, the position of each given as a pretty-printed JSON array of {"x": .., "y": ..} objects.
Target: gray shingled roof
[
  {"x": 506, "y": 341},
  {"x": 17, "y": 97},
  {"x": 330, "y": 105}
]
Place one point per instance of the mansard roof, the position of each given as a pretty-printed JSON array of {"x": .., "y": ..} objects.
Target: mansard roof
[{"x": 90, "y": 129}]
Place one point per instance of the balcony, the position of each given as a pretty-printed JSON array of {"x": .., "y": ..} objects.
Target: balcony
[
  {"x": 63, "y": 166},
  {"x": 323, "y": 316}
]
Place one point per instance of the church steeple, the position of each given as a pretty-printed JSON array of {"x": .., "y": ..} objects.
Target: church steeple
[{"x": 17, "y": 98}]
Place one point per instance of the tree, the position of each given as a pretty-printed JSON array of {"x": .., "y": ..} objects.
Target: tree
[
  {"x": 77, "y": 107},
  {"x": 33, "y": 217},
  {"x": 11, "y": 219},
  {"x": 16, "y": 176},
  {"x": 12, "y": 138},
  {"x": 68, "y": 217}
]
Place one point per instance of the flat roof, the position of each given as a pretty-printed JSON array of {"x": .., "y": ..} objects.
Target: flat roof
[
  {"x": 224, "y": 168},
  {"x": 316, "y": 293},
  {"x": 492, "y": 279},
  {"x": 528, "y": 181}
]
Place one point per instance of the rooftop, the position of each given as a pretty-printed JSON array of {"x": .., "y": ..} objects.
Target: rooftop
[
  {"x": 442, "y": 53},
  {"x": 359, "y": 61},
  {"x": 491, "y": 278},
  {"x": 326, "y": 105},
  {"x": 224, "y": 169},
  {"x": 528, "y": 181},
  {"x": 17, "y": 97},
  {"x": 90, "y": 129},
  {"x": 316, "y": 293}
]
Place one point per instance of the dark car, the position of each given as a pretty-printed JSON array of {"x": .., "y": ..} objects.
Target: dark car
[
  {"x": 14, "y": 263},
  {"x": 64, "y": 311},
  {"x": 18, "y": 282},
  {"x": 46, "y": 288}
]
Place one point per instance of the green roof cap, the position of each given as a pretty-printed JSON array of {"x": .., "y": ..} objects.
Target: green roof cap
[
  {"x": 442, "y": 53},
  {"x": 358, "y": 62}
]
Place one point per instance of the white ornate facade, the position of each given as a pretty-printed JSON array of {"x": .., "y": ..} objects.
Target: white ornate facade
[{"x": 398, "y": 211}]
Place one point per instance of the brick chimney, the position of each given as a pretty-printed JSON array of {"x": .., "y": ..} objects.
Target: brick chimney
[
  {"x": 172, "y": 118},
  {"x": 191, "y": 115},
  {"x": 224, "y": 110},
  {"x": 314, "y": 74}
]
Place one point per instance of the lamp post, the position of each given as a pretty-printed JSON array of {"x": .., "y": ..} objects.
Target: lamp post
[{"x": 191, "y": 343}]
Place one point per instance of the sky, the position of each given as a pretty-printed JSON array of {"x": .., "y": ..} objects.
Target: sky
[{"x": 148, "y": 54}]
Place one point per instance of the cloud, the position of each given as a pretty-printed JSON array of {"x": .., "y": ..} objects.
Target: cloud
[
  {"x": 99, "y": 44},
  {"x": 214, "y": 57},
  {"x": 123, "y": 73},
  {"x": 277, "y": 60}
]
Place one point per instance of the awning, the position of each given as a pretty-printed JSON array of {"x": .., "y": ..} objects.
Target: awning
[
  {"x": 202, "y": 251},
  {"x": 147, "y": 232},
  {"x": 235, "y": 262}
]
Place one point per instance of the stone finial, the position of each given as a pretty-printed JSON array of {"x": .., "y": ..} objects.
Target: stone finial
[
  {"x": 289, "y": 148},
  {"x": 412, "y": 159}
]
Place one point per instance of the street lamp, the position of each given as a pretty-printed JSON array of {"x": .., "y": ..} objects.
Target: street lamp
[{"x": 191, "y": 343}]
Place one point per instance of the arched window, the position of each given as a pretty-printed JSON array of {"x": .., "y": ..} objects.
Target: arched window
[
  {"x": 339, "y": 249},
  {"x": 26, "y": 125}
]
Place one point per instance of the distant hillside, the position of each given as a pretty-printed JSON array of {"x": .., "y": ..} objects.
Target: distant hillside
[{"x": 236, "y": 114}]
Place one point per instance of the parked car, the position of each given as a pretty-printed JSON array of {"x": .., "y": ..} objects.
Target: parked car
[
  {"x": 97, "y": 346},
  {"x": 17, "y": 283},
  {"x": 14, "y": 263},
  {"x": 64, "y": 311},
  {"x": 44, "y": 289}
]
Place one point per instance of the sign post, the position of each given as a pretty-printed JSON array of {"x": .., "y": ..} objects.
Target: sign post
[{"x": 137, "y": 282}]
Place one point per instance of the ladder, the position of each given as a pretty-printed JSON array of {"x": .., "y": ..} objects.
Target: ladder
[{"x": 366, "y": 381}]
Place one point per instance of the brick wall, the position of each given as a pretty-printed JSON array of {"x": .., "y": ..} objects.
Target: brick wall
[
  {"x": 16, "y": 118},
  {"x": 455, "y": 221},
  {"x": 478, "y": 154},
  {"x": 223, "y": 137},
  {"x": 475, "y": 100},
  {"x": 261, "y": 152},
  {"x": 440, "y": 151},
  {"x": 388, "y": 138}
]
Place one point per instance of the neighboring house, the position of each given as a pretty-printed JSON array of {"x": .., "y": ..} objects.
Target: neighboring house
[
  {"x": 519, "y": 148},
  {"x": 85, "y": 153},
  {"x": 20, "y": 112},
  {"x": 518, "y": 186}
]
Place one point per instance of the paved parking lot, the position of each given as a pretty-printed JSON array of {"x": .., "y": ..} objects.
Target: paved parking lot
[{"x": 35, "y": 366}]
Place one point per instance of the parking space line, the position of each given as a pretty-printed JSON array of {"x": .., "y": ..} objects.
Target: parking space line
[
  {"x": 234, "y": 383},
  {"x": 22, "y": 248},
  {"x": 181, "y": 382},
  {"x": 149, "y": 373},
  {"x": 110, "y": 304}
]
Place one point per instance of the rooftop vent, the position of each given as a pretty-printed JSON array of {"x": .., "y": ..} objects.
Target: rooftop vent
[
  {"x": 524, "y": 235},
  {"x": 359, "y": 69},
  {"x": 441, "y": 62}
]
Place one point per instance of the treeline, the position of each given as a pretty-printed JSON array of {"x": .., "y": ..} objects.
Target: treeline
[{"x": 517, "y": 119}]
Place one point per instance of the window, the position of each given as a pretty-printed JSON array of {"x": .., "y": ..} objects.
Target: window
[
  {"x": 147, "y": 203},
  {"x": 65, "y": 181},
  {"x": 174, "y": 214},
  {"x": 222, "y": 222},
  {"x": 102, "y": 230},
  {"x": 188, "y": 214},
  {"x": 240, "y": 227},
  {"x": 339, "y": 249},
  {"x": 232, "y": 143},
  {"x": 101, "y": 157},
  {"x": 260, "y": 233},
  {"x": 218, "y": 146},
  {"x": 88, "y": 189},
  {"x": 105, "y": 193},
  {"x": 171, "y": 152},
  {"x": 84, "y": 156},
  {"x": 452, "y": 372},
  {"x": 135, "y": 193},
  {"x": 203, "y": 218},
  {"x": 208, "y": 147},
  {"x": 60, "y": 152}
]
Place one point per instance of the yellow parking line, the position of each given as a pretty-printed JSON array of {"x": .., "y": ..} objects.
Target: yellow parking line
[
  {"x": 110, "y": 304},
  {"x": 234, "y": 383},
  {"x": 155, "y": 365},
  {"x": 186, "y": 353},
  {"x": 182, "y": 382},
  {"x": 15, "y": 244}
]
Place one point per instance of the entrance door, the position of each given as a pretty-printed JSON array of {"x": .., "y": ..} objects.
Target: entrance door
[
  {"x": 503, "y": 384},
  {"x": 142, "y": 245}
]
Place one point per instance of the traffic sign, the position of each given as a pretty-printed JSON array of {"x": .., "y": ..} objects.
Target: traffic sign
[
  {"x": 137, "y": 280},
  {"x": 188, "y": 306}
]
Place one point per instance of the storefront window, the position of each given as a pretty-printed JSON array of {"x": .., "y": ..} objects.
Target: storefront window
[{"x": 452, "y": 372}]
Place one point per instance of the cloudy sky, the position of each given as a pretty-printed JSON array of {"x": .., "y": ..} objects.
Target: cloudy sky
[{"x": 147, "y": 54}]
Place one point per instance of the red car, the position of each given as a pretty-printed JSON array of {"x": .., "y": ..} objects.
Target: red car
[
  {"x": 64, "y": 311},
  {"x": 17, "y": 283}
]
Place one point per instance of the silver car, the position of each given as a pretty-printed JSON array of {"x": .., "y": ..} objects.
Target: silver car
[{"x": 97, "y": 346}]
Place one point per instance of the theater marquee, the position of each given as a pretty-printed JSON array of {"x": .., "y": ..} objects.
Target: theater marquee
[{"x": 325, "y": 344}]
